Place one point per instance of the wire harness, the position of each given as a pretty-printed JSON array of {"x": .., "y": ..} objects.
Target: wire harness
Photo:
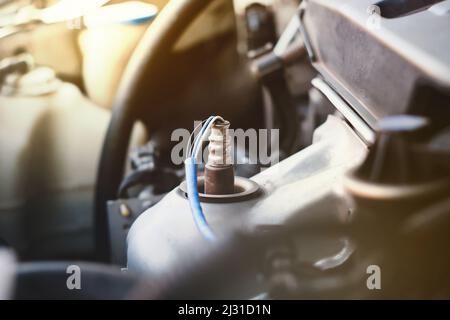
[{"x": 191, "y": 177}]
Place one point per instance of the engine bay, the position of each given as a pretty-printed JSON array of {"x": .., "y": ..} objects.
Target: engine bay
[{"x": 246, "y": 149}]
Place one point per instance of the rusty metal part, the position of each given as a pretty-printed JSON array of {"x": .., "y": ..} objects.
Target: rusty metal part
[
  {"x": 244, "y": 189},
  {"x": 220, "y": 145},
  {"x": 219, "y": 180},
  {"x": 219, "y": 171}
]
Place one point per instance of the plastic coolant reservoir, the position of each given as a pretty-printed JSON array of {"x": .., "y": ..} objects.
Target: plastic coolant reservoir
[
  {"x": 51, "y": 137},
  {"x": 303, "y": 188},
  {"x": 50, "y": 141}
]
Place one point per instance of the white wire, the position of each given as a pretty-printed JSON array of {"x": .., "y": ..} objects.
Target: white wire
[{"x": 190, "y": 144}]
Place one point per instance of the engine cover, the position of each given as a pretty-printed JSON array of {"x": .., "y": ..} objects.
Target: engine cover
[{"x": 383, "y": 57}]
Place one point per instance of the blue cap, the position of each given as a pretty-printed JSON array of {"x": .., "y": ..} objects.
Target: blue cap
[{"x": 130, "y": 13}]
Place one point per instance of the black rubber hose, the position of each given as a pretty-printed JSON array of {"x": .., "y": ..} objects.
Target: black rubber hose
[
  {"x": 396, "y": 8},
  {"x": 47, "y": 281},
  {"x": 285, "y": 108},
  {"x": 138, "y": 81}
]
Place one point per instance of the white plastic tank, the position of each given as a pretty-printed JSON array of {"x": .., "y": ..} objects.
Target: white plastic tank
[{"x": 50, "y": 142}]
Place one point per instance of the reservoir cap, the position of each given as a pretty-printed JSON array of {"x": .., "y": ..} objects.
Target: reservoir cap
[{"x": 130, "y": 13}]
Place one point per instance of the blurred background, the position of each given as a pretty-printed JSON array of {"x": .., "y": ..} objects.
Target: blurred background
[{"x": 61, "y": 65}]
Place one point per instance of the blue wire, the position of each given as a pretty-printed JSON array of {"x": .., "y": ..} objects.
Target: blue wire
[
  {"x": 191, "y": 181},
  {"x": 198, "y": 140},
  {"x": 194, "y": 200}
]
